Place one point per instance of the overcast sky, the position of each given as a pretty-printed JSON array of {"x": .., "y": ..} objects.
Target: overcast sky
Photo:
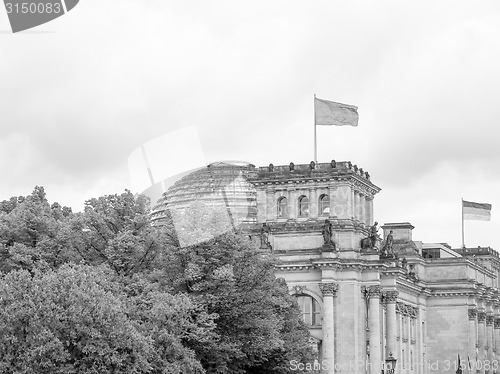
[{"x": 79, "y": 94}]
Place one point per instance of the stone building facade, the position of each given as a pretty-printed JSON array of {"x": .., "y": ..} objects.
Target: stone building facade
[{"x": 430, "y": 307}]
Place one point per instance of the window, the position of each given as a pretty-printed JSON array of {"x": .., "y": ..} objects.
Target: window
[
  {"x": 303, "y": 206},
  {"x": 324, "y": 205},
  {"x": 282, "y": 204},
  {"x": 431, "y": 253},
  {"x": 311, "y": 312}
]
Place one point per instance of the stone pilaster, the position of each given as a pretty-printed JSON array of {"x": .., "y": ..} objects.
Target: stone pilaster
[
  {"x": 332, "y": 192},
  {"x": 351, "y": 203},
  {"x": 362, "y": 208},
  {"x": 375, "y": 360},
  {"x": 293, "y": 204},
  {"x": 329, "y": 291},
  {"x": 369, "y": 211},
  {"x": 313, "y": 203},
  {"x": 357, "y": 210},
  {"x": 270, "y": 204}
]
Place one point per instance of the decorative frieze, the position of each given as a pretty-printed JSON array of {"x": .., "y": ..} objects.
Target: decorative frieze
[
  {"x": 472, "y": 313},
  {"x": 481, "y": 317},
  {"x": 406, "y": 310},
  {"x": 329, "y": 289}
]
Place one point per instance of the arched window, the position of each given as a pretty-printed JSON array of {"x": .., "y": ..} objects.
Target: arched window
[
  {"x": 303, "y": 206},
  {"x": 282, "y": 204},
  {"x": 324, "y": 205},
  {"x": 311, "y": 311}
]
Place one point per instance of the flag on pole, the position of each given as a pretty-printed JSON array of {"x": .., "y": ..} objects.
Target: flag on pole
[
  {"x": 469, "y": 366},
  {"x": 459, "y": 366},
  {"x": 476, "y": 211},
  {"x": 328, "y": 113}
]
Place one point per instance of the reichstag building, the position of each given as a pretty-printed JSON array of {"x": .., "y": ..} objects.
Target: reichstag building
[{"x": 369, "y": 292}]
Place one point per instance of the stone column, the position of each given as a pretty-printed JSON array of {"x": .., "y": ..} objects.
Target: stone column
[
  {"x": 489, "y": 339},
  {"x": 329, "y": 291},
  {"x": 481, "y": 339},
  {"x": 472, "y": 336},
  {"x": 390, "y": 298},
  {"x": 420, "y": 342},
  {"x": 497, "y": 340},
  {"x": 374, "y": 327}
]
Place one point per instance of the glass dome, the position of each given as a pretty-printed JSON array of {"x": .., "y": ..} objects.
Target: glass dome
[{"x": 223, "y": 183}]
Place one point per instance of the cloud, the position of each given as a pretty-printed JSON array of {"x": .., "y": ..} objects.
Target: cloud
[{"x": 115, "y": 74}]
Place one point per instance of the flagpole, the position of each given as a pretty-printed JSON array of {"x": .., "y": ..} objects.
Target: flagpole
[
  {"x": 463, "y": 243},
  {"x": 315, "y": 141}
]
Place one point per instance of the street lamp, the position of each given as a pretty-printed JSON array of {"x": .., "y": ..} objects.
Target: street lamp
[{"x": 390, "y": 364}]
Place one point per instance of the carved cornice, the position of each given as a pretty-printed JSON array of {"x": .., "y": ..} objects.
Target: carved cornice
[
  {"x": 329, "y": 289},
  {"x": 364, "y": 188},
  {"x": 293, "y": 267},
  {"x": 472, "y": 313},
  {"x": 481, "y": 317},
  {"x": 390, "y": 296},
  {"x": 451, "y": 293},
  {"x": 406, "y": 310}
]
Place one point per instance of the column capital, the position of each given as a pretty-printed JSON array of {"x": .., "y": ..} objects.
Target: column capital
[
  {"x": 390, "y": 296},
  {"x": 481, "y": 317},
  {"x": 374, "y": 291},
  {"x": 497, "y": 323},
  {"x": 472, "y": 313},
  {"x": 489, "y": 320},
  {"x": 329, "y": 289}
]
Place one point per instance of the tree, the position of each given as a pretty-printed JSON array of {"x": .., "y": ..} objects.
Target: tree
[
  {"x": 258, "y": 322},
  {"x": 116, "y": 230},
  {"x": 29, "y": 232},
  {"x": 78, "y": 319},
  {"x": 190, "y": 296}
]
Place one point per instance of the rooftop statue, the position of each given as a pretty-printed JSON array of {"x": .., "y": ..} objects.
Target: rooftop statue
[
  {"x": 371, "y": 241},
  {"x": 327, "y": 235},
  {"x": 265, "y": 230},
  {"x": 387, "y": 249}
]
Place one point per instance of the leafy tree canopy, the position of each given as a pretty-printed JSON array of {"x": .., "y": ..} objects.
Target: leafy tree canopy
[{"x": 106, "y": 291}]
